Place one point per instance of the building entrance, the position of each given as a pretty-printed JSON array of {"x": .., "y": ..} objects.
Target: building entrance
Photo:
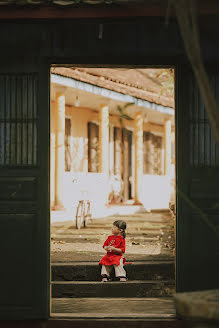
[{"x": 117, "y": 139}]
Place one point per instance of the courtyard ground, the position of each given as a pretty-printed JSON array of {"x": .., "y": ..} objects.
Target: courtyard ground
[
  {"x": 76, "y": 287},
  {"x": 150, "y": 236}
]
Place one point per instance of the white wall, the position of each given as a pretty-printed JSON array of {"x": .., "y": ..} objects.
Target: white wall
[
  {"x": 155, "y": 191},
  {"x": 155, "y": 194},
  {"x": 93, "y": 186}
]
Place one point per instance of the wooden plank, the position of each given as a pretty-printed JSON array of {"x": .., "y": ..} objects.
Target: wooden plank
[
  {"x": 93, "y": 143},
  {"x": 132, "y": 307},
  {"x": 24, "y": 208},
  {"x": 118, "y": 151}
]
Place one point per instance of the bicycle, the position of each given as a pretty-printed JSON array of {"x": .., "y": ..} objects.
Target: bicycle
[{"x": 83, "y": 212}]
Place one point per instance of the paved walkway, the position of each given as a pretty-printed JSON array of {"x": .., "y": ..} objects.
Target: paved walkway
[{"x": 150, "y": 236}]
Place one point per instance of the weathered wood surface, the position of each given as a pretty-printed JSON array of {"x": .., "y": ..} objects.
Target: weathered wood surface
[
  {"x": 115, "y": 308},
  {"x": 93, "y": 145},
  {"x": 118, "y": 161}
]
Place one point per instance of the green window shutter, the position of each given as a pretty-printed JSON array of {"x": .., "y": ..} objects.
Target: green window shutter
[
  {"x": 197, "y": 179},
  {"x": 24, "y": 192}
]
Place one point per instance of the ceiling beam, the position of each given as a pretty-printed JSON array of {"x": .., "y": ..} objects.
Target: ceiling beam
[{"x": 146, "y": 9}]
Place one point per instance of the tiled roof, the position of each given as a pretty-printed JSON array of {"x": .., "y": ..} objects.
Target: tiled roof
[{"x": 146, "y": 84}]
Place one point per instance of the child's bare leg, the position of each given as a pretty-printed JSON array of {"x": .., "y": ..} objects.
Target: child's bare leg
[{"x": 105, "y": 272}]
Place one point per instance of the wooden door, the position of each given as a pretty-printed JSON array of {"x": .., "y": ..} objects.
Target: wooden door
[
  {"x": 125, "y": 173},
  {"x": 24, "y": 191},
  {"x": 118, "y": 162},
  {"x": 130, "y": 164},
  {"x": 197, "y": 182},
  {"x": 93, "y": 147},
  {"x": 68, "y": 157}
]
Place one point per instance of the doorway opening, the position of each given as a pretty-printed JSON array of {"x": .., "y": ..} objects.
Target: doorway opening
[{"x": 112, "y": 158}]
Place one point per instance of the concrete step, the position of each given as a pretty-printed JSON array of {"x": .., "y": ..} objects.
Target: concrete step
[
  {"x": 132, "y": 308},
  {"x": 65, "y": 289},
  {"x": 102, "y": 228},
  {"x": 88, "y": 271},
  {"x": 78, "y": 256},
  {"x": 143, "y": 226},
  {"x": 92, "y": 232},
  {"x": 95, "y": 239}
]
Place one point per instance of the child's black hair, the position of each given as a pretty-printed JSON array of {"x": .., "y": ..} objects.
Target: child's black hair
[{"x": 121, "y": 225}]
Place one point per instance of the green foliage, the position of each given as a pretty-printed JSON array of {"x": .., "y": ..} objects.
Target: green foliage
[
  {"x": 123, "y": 114},
  {"x": 166, "y": 77}
]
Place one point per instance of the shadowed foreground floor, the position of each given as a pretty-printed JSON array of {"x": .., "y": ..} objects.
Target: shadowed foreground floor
[{"x": 114, "y": 308}]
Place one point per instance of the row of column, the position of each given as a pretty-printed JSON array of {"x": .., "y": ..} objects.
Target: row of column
[
  {"x": 138, "y": 137},
  {"x": 59, "y": 147},
  {"x": 103, "y": 147}
]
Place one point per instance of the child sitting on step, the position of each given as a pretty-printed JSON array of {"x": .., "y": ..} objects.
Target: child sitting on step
[{"x": 115, "y": 247}]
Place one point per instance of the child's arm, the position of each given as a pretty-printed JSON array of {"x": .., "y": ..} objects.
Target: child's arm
[
  {"x": 106, "y": 244},
  {"x": 115, "y": 250},
  {"x": 119, "y": 250}
]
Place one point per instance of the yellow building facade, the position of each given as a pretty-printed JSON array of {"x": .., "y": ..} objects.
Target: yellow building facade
[{"x": 115, "y": 161}]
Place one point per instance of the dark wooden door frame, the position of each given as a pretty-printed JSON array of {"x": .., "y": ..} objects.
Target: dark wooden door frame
[{"x": 175, "y": 67}]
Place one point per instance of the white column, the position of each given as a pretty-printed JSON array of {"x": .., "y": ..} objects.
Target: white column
[
  {"x": 111, "y": 150},
  {"x": 133, "y": 166},
  {"x": 138, "y": 155},
  {"x": 104, "y": 139},
  {"x": 167, "y": 146},
  {"x": 59, "y": 147}
]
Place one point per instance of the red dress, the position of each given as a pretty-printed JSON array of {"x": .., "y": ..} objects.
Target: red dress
[{"x": 111, "y": 258}]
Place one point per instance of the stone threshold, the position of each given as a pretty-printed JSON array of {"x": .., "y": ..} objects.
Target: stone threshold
[{"x": 114, "y": 308}]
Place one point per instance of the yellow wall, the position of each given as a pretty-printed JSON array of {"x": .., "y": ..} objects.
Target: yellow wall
[{"x": 79, "y": 140}]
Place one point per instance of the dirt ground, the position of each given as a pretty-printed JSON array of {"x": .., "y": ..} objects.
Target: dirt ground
[{"x": 150, "y": 236}]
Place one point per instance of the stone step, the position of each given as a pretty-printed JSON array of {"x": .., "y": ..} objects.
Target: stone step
[
  {"x": 78, "y": 256},
  {"x": 132, "y": 308},
  {"x": 88, "y": 271},
  {"x": 92, "y": 232},
  {"x": 133, "y": 228},
  {"x": 65, "y": 289},
  {"x": 107, "y": 227},
  {"x": 95, "y": 239}
]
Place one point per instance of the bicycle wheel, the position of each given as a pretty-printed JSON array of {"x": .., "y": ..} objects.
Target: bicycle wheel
[
  {"x": 80, "y": 215},
  {"x": 87, "y": 214}
]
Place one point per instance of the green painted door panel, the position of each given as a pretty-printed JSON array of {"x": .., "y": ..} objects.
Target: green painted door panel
[
  {"x": 24, "y": 191},
  {"x": 198, "y": 187}
]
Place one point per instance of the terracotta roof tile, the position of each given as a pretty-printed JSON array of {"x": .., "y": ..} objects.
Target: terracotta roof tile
[{"x": 146, "y": 84}]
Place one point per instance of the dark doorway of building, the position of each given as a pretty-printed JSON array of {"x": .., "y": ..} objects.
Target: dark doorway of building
[{"x": 112, "y": 158}]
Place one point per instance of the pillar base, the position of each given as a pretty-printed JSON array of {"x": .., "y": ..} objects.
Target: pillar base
[
  {"x": 136, "y": 202},
  {"x": 57, "y": 208}
]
